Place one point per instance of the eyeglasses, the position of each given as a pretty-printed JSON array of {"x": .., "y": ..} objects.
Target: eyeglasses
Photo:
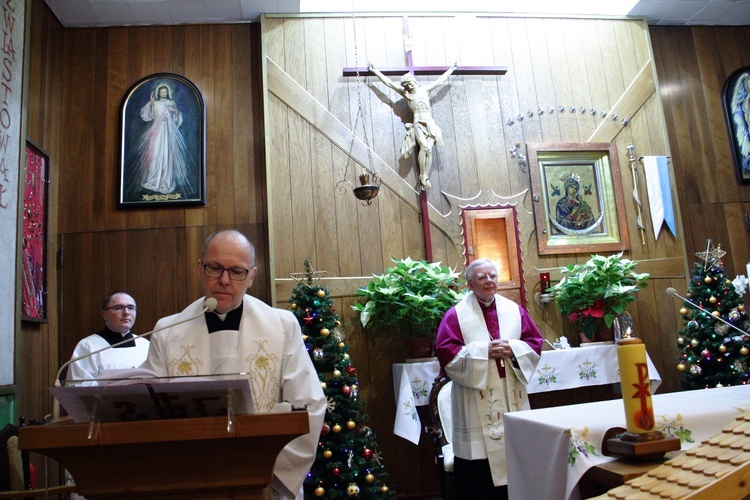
[
  {"x": 216, "y": 271},
  {"x": 484, "y": 277},
  {"x": 120, "y": 308}
]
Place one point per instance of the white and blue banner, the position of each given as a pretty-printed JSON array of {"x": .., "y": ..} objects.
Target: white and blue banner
[{"x": 659, "y": 193}]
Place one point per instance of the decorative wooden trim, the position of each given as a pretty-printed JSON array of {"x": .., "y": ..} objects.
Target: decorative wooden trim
[{"x": 634, "y": 97}]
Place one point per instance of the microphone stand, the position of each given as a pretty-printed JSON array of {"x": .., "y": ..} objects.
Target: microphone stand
[
  {"x": 208, "y": 305},
  {"x": 671, "y": 291}
]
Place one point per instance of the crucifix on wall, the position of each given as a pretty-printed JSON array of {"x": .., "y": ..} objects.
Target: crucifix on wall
[{"x": 423, "y": 133}]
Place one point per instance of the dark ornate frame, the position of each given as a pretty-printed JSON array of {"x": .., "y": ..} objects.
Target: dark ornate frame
[
  {"x": 736, "y": 97},
  {"x": 188, "y": 137}
]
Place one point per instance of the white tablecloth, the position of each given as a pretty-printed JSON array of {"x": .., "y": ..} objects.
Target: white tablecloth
[
  {"x": 550, "y": 449},
  {"x": 412, "y": 383},
  {"x": 581, "y": 367}
]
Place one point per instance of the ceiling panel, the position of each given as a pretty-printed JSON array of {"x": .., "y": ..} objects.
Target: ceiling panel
[{"x": 96, "y": 13}]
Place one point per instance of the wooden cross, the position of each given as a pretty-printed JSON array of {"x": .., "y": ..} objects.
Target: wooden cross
[{"x": 426, "y": 70}]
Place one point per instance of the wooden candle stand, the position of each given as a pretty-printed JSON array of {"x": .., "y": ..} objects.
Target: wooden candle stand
[{"x": 648, "y": 446}]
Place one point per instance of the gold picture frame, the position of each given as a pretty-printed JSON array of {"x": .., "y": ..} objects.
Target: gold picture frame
[{"x": 578, "y": 202}]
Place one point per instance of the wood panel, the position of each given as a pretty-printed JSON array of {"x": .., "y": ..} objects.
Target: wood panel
[
  {"x": 77, "y": 79},
  {"x": 581, "y": 64},
  {"x": 692, "y": 66},
  {"x": 37, "y": 342}
]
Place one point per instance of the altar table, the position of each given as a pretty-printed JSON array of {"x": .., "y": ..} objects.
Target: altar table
[
  {"x": 550, "y": 449},
  {"x": 557, "y": 370}
]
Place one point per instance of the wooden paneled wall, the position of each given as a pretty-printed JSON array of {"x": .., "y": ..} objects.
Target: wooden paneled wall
[
  {"x": 152, "y": 253},
  {"x": 693, "y": 65},
  {"x": 312, "y": 111},
  {"x": 602, "y": 65},
  {"x": 39, "y": 342},
  {"x": 77, "y": 78}
]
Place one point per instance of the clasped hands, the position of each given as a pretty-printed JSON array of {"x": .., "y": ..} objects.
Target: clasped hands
[{"x": 499, "y": 348}]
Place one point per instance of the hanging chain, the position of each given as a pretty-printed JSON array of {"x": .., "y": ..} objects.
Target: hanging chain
[{"x": 359, "y": 116}]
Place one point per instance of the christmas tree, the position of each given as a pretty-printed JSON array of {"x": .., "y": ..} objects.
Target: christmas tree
[
  {"x": 347, "y": 463},
  {"x": 713, "y": 353}
]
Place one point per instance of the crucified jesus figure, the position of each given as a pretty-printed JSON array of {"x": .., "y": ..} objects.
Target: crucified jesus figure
[{"x": 423, "y": 131}]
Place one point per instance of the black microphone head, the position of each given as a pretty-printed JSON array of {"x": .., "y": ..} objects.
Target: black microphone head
[
  {"x": 210, "y": 304},
  {"x": 671, "y": 291}
]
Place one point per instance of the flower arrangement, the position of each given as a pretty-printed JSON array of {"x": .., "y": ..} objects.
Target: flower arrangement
[
  {"x": 600, "y": 288},
  {"x": 409, "y": 299}
]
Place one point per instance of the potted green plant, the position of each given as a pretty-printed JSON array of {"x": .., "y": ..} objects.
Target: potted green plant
[
  {"x": 597, "y": 292},
  {"x": 409, "y": 299}
]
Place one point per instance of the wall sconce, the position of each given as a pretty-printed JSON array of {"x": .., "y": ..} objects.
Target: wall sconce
[{"x": 542, "y": 297}]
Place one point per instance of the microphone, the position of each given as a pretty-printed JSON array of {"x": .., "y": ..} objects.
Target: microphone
[
  {"x": 672, "y": 292},
  {"x": 208, "y": 306}
]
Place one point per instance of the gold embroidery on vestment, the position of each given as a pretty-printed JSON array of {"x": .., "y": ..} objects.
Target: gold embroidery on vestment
[
  {"x": 263, "y": 368},
  {"x": 185, "y": 364}
]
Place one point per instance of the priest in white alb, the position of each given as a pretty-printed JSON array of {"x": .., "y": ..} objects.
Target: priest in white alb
[
  {"x": 489, "y": 346},
  {"x": 244, "y": 334}
]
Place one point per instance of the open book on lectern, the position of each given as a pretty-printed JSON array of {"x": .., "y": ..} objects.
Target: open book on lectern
[{"x": 136, "y": 394}]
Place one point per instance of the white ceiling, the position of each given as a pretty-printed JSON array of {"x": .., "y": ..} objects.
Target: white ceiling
[{"x": 98, "y": 13}]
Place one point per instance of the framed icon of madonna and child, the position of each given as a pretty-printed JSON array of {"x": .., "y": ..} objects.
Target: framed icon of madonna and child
[
  {"x": 163, "y": 144},
  {"x": 577, "y": 194}
]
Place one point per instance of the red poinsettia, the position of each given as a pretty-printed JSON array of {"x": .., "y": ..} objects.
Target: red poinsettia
[{"x": 596, "y": 310}]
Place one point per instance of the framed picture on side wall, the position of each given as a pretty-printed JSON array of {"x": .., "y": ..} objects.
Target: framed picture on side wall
[
  {"x": 578, "y": 203},
  {"x": 737, "y": 112},
  {"x": 163, "y": 144},
  {"x": 34, "y": 259}
]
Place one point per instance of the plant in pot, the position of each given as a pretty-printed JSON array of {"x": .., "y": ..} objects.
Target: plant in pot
[
  {"x": 409, "y": 300},
  {"x": 596, "y": 292}
]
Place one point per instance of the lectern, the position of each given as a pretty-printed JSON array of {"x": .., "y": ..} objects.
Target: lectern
[{"x": 186, "y": 458}]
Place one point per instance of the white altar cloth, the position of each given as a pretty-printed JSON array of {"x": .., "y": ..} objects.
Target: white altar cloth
[
  {"x": 550, "y": 449},
  {"x": 581, "y": 367},
  {"x": 412, "y": 383}
]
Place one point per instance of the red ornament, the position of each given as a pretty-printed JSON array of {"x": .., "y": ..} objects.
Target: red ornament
[
  {"x": 325, "y": 430},
  {"x": 336, "y": 471},
  {"x": 706, "y": 354},
  {"x": 308, "y": 319},
  {"x": 350, "y": 370},
  {"x": 367, "y": 453},
  {"x": 346, "y": 390}
]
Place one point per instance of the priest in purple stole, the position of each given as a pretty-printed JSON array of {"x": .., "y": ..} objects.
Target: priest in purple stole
[{"x": 489, "y": 346}]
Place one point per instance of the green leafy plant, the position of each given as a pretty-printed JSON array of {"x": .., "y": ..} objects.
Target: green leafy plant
[
  {"x": 409, "y": 299},
  {"x": 601, "y": 287}
]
